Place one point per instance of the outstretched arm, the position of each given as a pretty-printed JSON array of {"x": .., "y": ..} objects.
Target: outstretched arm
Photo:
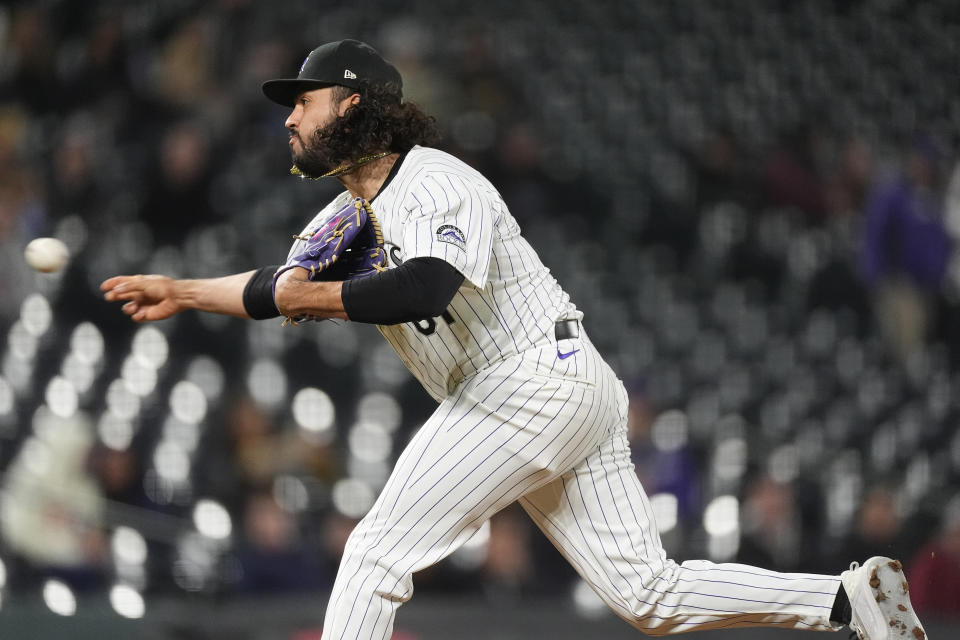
[
  {"x": 155, "y": 297},
  {"x": 420, "y": 288},
  {"x": 297, "y": 296}
]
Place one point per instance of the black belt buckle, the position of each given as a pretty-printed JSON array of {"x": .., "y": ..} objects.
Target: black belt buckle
[{"x": 566, "y": 330}]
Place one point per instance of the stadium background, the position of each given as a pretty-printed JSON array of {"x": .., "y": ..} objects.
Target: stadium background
[{"x": 703, "y": 178}]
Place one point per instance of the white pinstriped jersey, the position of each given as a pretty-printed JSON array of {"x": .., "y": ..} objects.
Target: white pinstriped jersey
[
  {"x": 438, "y": 206},
  {"x": 540, "y": 423}
]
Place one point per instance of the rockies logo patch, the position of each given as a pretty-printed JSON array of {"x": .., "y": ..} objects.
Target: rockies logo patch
[{"x": 452, "y": 235}]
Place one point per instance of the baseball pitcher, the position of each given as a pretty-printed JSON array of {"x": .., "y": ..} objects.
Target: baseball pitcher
[{"x": 423, "y": 246}]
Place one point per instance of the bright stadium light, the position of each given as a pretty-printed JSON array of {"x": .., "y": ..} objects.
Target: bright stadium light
[
  {"x": 7, "y": 398},
  {"x": 22, "y": 343},
  {"x": 383, "y": 366},
  {"x": 314, "y": 411},
  {"x": 721, "y": 520},
  {"x": 670, "y": 430},
  {"x": 61, "y": 397},
  {"x": 369, "y": 443},
  {"x": 267, "y": 382},
  {"x": 353, "y": 498},
  {"x": 122, "y": 402},
  {"x": 36, "y": 315},
  {"x": 473, "y": 552},
  {"x": 290, "y": 493},
  {"x": 59, "y": 598},
  {"x": 380, "y": 408},
  {"x": 128, "y": 546},
  {"x": 722, "y": 516},
  {"x": 187, "y": 402},
  {"x": 81, "y": 374},
  {"x": 114, "y": 432},
  {"x": 184, "y": 434},
  {"x": 86, "y": 343},
  {"x": 212, "y": 520},
  {"x": 664, "y": 507},
  {"x": 586, "y": 602},
  {"x": 171, "y": 462},
  {"x": 730, "y": 459},
  {"x": 139, "y": 378},
  {"x": 373, "y": 474},
  {"x": 127, "y": 602},
  {"x": 784, "y": 464},
  {"x": 18, "y": 372},
  {"x": 206, "y": 373},
  {"x": 150, "y": 347},
  {"x": 480, "y": 538}
]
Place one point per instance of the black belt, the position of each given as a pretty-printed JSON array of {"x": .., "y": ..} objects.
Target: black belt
[{"x": 566, "y": 330}]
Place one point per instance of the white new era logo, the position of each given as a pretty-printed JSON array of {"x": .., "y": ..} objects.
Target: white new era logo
[{"x": 349, "y": 74}]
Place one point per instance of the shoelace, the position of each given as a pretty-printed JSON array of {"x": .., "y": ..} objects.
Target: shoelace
[{"x": 854, "y": 632}]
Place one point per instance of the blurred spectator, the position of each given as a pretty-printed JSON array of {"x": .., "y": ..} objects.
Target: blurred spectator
[
  {"x": 661, "y": 454},
  {"x": 771, "y": 525},
  {"x": 722, "y": 171},
  {"x": 508, "y": 569},
  {"x": 22, "y": 214},
  {"x": 73, "y": 188},
  {"x": 248, "y": 452},
  {"x": 877, "y": 530},
  {"x": 52, "y": 511},
  {"x": 178, "y": 198},
  {"x": 33, "y": 56},
  {"x": 273, "y": 556},
  {"x": 335, "y": 529},
  {"x": 849, "y": 184},
  {"x": 100, "y": 68},
  {"x": 934, "y": 572},
  {"x": 906, "y": 248},
  {"x": 184, "y": 77},
  {"x": 119, "y": 474},
  {"x": 793, "y": 174}
]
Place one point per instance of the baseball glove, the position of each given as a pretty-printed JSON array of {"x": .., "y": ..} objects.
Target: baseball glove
[{"x": 347, "y": 245}]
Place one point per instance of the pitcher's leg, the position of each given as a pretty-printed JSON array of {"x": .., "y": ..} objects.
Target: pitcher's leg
[
  {"x": 599, "y": 518},
  {"x": 478, "y": 453}
]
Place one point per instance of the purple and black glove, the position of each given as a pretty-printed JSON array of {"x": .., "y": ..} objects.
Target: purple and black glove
[{"x": 348, "y": 245}]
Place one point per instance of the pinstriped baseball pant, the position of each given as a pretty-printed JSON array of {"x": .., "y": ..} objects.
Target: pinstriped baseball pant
[{"x": 551, "y": 435}]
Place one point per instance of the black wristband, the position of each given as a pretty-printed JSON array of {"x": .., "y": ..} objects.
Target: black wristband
[
  {"x": 258, "y": 294},
  {"x": 419, "y": 288}
]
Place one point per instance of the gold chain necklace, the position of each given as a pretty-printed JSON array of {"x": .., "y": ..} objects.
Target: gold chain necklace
[{"x": 344, "y": 168}]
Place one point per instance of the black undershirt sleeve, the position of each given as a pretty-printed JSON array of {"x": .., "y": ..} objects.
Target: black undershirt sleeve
[
  {"x": 419, "y": 288},
  {"x": 258, "y": 294}
]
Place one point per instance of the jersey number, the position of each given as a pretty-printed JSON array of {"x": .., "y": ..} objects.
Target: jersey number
[{"x": 428, "y": 326}]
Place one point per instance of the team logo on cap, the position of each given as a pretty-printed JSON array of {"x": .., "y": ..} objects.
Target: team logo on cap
[
  {"x": 349, "y": 74},
  {"x": 452, "y": 235}
]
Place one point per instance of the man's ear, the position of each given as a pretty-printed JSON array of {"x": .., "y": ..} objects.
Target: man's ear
[{"x": 346, "y": 103}]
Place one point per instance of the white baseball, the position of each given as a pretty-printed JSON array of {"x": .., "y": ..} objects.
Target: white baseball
[{"x": 46, "y": 254}]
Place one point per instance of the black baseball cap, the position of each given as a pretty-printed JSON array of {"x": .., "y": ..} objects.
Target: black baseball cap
[{"x": 345, "y": 62}]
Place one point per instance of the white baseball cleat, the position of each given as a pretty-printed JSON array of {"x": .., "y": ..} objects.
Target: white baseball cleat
[{"x": 880, "y": 601}]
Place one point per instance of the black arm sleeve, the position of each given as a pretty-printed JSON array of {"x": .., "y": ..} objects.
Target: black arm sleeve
[
  {"x": 419, "y": 288},
  {"x": 258, "y": 294}
]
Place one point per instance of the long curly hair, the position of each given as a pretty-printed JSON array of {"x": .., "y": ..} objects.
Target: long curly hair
[{"x": 380, "y": 121}]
